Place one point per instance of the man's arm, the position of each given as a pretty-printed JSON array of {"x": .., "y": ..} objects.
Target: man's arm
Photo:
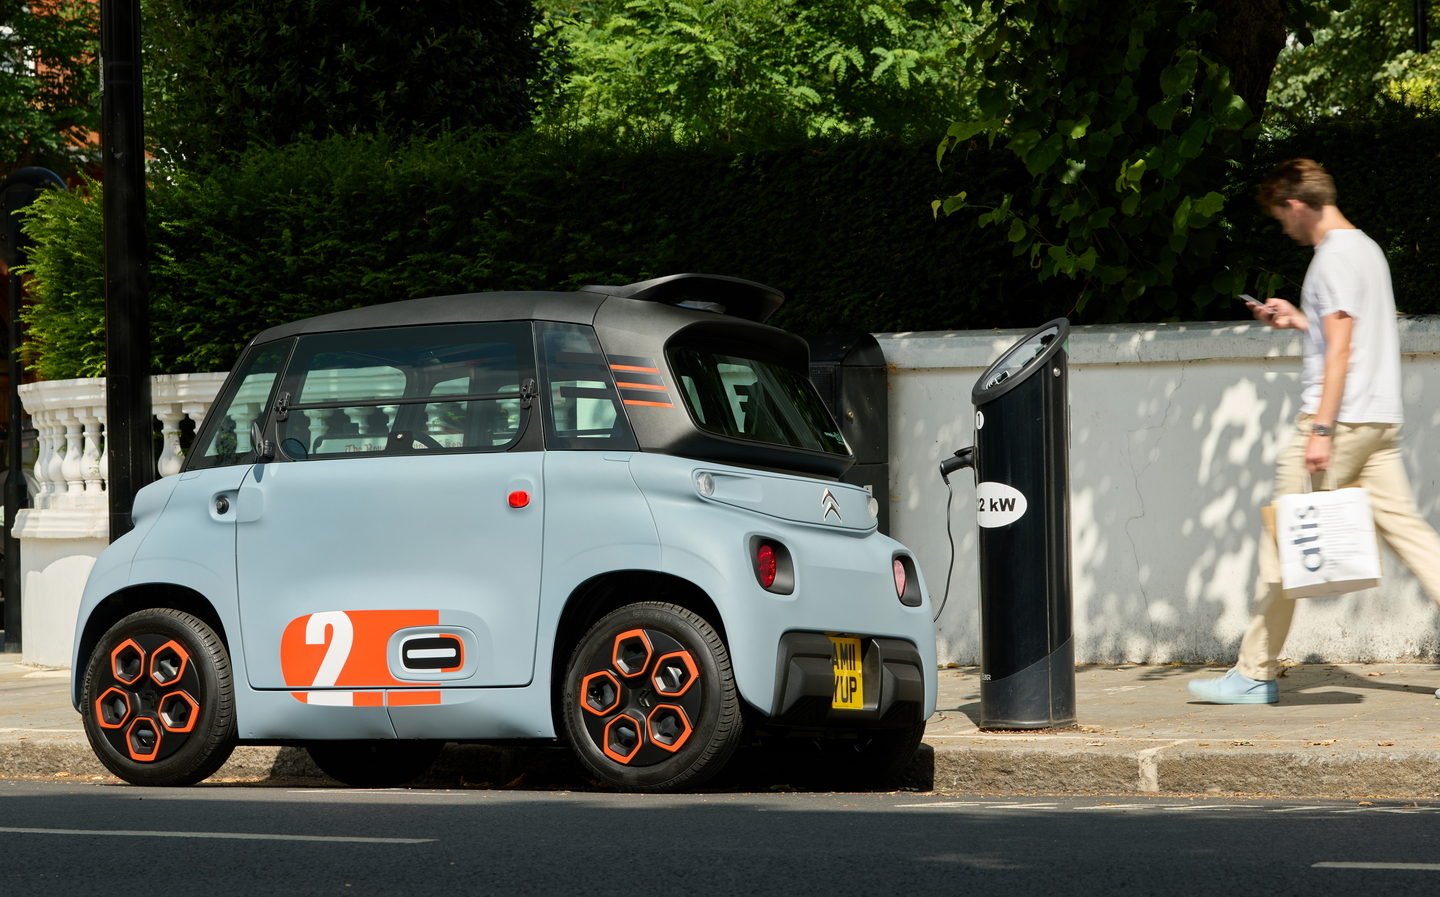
[
  {"x": 1338, "y": 328},
  {"x": 1281, "y": 315}
]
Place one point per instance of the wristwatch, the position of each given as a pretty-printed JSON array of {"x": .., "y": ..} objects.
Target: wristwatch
[{"x": 1321, "y": 430}]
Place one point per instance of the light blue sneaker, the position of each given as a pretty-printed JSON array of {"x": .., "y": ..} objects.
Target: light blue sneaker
[{"x": 1233, "y": 688}]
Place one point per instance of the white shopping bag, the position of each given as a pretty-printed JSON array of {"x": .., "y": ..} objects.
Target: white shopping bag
[{"x": 1327, "y": 543}]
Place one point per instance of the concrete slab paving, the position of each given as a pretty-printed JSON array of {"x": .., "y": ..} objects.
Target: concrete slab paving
[{"x": 1339, "y": 730}]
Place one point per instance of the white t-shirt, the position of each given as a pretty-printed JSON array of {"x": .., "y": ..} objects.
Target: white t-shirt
[{"x": 1349, "y": 273}]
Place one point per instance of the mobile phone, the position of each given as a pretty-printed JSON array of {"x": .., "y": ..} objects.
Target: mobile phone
[{"x": 1250, "y": 300}]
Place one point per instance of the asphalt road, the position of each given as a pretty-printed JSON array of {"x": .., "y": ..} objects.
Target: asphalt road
[{"x": 61, "y": 839}]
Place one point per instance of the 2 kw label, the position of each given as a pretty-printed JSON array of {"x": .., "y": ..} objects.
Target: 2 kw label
[{"x": 997, "y": 504}]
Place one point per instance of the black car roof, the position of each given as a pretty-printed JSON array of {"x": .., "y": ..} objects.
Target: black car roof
[
  {"x": 706, "y": 294},
  {"x": 577, "y": 308}
]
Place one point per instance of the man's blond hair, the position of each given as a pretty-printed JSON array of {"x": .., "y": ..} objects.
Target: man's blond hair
[{"x": 1302, "y": 179}]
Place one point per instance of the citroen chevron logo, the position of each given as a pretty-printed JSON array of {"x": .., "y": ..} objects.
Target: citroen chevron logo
[{"x": 829, "y": 505}]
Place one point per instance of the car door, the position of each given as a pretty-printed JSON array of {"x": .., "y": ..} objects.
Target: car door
[{"x": 392, "y": 544}]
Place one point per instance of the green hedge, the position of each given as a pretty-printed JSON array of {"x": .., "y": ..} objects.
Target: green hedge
[
  {"x": 1385, "y": 170},
  {"x": 843, "y": 228}
]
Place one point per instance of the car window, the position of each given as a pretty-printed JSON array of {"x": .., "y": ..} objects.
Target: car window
[
  {"x": 406, "y": 390},
  {"x": 224, "y": 437},
  {"x": 749, "y": 398},
  {"x": 582, "y": 409}
]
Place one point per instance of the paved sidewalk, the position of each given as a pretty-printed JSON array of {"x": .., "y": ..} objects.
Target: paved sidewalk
[
  {"x": 1346, "y": 730},
  {"x": 1351, "y": 730}
]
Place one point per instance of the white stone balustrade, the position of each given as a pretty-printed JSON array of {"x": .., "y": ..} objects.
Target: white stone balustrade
[
  {"x": 68, "y": 524},
  {"x": 69, "y": 419}
]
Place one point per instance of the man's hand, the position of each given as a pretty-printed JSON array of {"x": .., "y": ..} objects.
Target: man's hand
[
  {"x": 1317, "y": 453},
  {"x": 1280, "y": 314}
]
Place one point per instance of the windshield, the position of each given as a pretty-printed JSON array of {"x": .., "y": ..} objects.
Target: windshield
[
  {"x": 224, "y": 439},
  {"x": 747, "y": 398}
]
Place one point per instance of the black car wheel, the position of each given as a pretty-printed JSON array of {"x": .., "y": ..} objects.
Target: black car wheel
[
  {"x": 159, "y": 700},
  {"x": 649, "y": 702},
  {"x": 374, "y": 764}
]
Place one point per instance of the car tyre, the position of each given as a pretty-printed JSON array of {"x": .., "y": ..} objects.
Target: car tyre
[
  {"x": 158, "y": 699},
  {"x": 649, "y": 700}
]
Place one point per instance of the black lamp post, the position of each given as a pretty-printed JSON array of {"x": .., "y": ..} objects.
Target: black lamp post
[
  {"x": 17, "y": 192},
  {"x": 129, "y": 432}
]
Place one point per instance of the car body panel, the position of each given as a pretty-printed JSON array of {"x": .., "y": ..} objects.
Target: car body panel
[{"x": 406, "y": 543}]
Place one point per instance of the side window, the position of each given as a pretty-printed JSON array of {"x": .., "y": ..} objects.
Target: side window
[
  {"x": 582, "y": 408},
  {"x": 225, "y": 436},
  {"x": 409, "y": 390}
]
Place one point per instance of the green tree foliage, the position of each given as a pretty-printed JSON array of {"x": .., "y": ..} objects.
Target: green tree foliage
[
  {"x": 1128, "y": 117},
  {"x": 68, "y": 285},
  {"x": 49, "y": 83},
  {"x": 1413, "y": 79},
  {"x": 725, "y": 70},
  {"x": 224, "y": 74},
  {"x": 323, "y": 225},
  {"x": 1364, "y": 54}
]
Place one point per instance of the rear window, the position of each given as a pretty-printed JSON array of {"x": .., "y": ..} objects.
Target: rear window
[{"x": 731, "y": 395}]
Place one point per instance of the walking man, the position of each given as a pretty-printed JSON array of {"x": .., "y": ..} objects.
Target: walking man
[{"x": 1348, "y": 428}]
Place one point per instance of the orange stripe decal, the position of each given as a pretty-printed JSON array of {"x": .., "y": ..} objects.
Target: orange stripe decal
[
  {"x": 650, "y": 404},
  {"x": 412, "y": 698},
  {"x": 634, "y": 368},
  {"x": 624, "y": 385},
  {"x": 348, "y": 650}
]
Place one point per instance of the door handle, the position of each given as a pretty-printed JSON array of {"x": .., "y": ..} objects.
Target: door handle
[
  {"x": 225, "y": 507},
  {"x": 221, "y": 506}
]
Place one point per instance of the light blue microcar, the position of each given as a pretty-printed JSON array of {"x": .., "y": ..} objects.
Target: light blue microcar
[{"x": 612, "y": 517}]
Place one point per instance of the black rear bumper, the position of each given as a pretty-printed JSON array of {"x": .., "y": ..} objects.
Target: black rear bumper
[{"x": 804, "y": 684}]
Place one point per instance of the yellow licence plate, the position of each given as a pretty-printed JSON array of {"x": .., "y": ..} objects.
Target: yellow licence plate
[{"x": 849, "y": 693}]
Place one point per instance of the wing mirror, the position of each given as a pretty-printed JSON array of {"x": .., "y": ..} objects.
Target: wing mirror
[{"x": 263, "y": 448}]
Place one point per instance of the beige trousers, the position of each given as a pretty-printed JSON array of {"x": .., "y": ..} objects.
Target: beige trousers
[{"x": 1368, "y": 454}]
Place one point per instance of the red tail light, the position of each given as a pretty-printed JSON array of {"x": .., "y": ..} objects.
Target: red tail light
[
  {"x": 766, "y": 566},
  {"x": 774, "y": 569},
  {"x": 907, "y": 581}
]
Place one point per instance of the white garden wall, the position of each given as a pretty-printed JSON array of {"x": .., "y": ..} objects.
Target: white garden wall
[{"x": 1174, "y": 434}]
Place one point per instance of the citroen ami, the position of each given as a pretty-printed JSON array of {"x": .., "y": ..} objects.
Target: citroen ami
[{"x": 612, "y": 517}]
